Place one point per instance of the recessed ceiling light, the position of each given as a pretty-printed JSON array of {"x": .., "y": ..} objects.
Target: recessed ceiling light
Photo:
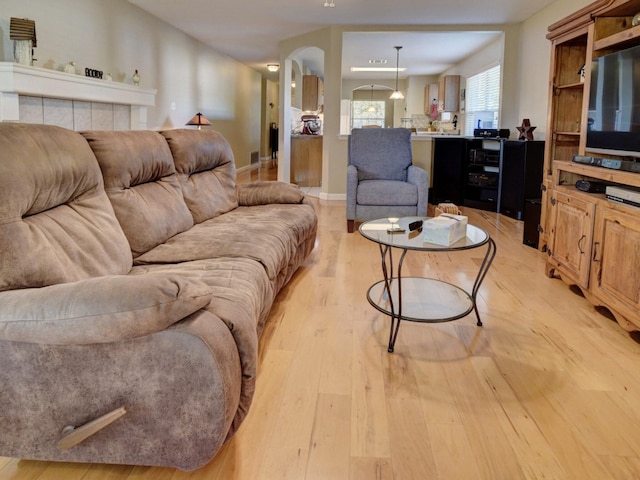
[
  {"x": 273, "y": 67},
  {"x": 377, "y": 69}
]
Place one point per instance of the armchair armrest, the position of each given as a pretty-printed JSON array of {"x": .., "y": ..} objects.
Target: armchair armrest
[
  {"x": 99, "y": 310},
  {"x": 352, "y": 188},
  {"x": 420, "y": 177},
  {"x": 265, "y": 192}
]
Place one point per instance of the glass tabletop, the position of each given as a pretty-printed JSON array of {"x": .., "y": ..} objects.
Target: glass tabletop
[{"x": 376, "y": 231}]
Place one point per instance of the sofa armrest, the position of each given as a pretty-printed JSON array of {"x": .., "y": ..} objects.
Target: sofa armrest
[
  {"x": 99, "y": 310},
  {"x": 265, "y": 192},
  {"x": 420, "y": 177}
]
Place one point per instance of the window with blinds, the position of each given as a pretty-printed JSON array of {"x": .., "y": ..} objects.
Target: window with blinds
[
  {"x": 364, "y": 115},
  {"x": 483, "y": 100}
]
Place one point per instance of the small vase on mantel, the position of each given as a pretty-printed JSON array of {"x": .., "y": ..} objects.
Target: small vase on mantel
[
  {"x": 136, "y": 78},
  {"x": 70, "y": 67}
]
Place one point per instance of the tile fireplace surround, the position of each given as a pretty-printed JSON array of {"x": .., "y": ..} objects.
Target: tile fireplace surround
[{"x": 40, "y": 95}]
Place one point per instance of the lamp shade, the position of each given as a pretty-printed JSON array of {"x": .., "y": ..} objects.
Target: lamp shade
[{"x": 199, "y": 120}]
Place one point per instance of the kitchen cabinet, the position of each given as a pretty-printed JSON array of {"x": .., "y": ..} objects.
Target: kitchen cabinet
[
  {"x": 591, "y": 243},
  {"x": 449, "y": 93},
  {"x": 430, "y": 95},
  {"x": 306, "y": 160},
  {"x": 312, "y": 93}
]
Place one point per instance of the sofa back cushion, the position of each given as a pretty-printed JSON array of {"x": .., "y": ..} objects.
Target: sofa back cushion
[
  {"x": 56, "y": 222},
  {"x": 141, "y": 182},
  {"x": 206, "y": 169}
]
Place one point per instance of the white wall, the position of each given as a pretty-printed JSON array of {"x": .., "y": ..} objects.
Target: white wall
[{"x": 117, "y": 37}]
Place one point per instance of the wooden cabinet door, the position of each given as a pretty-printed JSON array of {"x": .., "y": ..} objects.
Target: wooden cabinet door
[
  {"x": 615, "y": 275},
  {"x": 571, "y": 237},
  {"x": 306, "y": 160},
  {"x": 546, "y": 215},
  {"x": 310, "y": 88},
  {"x": 449, "y": 93}
]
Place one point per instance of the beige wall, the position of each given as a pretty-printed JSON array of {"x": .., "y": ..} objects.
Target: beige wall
[
  {"x": 525, "y": 57},
  {"x": 117, "y": 37}
]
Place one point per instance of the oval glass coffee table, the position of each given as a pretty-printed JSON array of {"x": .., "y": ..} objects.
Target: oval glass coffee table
[{"x": 418, "y": 299}]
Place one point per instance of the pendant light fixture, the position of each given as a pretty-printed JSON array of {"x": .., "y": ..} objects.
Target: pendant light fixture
[
  {"x": 397, "y": 94},
  {"x": 371, "y": 108}
]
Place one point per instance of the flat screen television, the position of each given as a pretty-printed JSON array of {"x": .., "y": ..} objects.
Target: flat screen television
[{"x": 613, "y": 126}]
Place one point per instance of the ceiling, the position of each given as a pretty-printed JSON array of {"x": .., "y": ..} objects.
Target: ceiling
[{"x": 251, "y": 30}]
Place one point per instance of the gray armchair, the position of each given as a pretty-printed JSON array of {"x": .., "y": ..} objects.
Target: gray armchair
[{"x": 381, "y": 180}]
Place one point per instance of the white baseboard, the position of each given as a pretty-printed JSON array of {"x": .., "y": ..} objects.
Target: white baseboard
[
  {"x": 332, "y": 196},
  {"x": 247, "y": 168}
]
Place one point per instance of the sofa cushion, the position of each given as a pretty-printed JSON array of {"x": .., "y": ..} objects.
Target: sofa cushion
[
  {"x": 265, "y": 192},
  {"x": 269, "y": 234},
  {"x": 99, "y": 310},
  {"x": 56, "y": 222},
  {"x": 386, "y": 192},
  {"x": 206, "y": 170},
  {"x": 141, "y": 182}
]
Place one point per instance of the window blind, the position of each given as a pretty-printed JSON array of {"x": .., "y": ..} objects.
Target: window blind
[
  {"x": 361, "y": 117},
  {"x": 483, "y": 99}
]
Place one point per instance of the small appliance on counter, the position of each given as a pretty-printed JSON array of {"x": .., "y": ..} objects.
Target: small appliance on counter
[
  {"x": 491, "y": 132},
  {"x": 311, "y": 124}
]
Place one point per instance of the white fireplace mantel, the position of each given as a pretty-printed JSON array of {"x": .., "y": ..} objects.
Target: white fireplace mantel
[{"x": 16, "y": 80}]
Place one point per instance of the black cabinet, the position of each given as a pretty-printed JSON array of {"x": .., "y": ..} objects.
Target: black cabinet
[
  {"x": 491, "y": 174},
  {"x": 482, "y": 188},
  {"x": 522, "y": 165},
  {"x": 450, "y": 156},
  {"x": 531, "y": 232}
]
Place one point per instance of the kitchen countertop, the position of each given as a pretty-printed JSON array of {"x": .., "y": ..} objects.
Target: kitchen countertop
[{"x": 428, "y": 136}]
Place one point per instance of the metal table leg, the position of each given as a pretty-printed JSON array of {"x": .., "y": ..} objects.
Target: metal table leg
[
  {"x": 387, "y": 270},
  {"x": 484, "y": 268}
]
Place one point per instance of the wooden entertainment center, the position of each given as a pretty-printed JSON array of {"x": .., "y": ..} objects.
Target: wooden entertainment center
[{"x": 591, "y": 242}]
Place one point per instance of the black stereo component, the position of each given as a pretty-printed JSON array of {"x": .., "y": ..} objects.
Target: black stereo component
[
  {"x": 591, "y": 186},
  {"x": 482, "y": 179},
  {"x": 491, "y": 132},
  {"x": 478, "y": 156}
]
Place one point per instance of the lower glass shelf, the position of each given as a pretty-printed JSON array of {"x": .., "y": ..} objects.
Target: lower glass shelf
[{"x": 423, "y": 300}]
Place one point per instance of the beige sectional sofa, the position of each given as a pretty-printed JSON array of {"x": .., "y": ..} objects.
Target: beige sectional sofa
[{"x": 135, "y": 280}]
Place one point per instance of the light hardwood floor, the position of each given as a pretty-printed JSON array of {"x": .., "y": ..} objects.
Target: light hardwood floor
[{"x": 548, "y": 388}]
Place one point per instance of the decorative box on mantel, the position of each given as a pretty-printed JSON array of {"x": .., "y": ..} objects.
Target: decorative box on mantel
[{"x": 40, "y": 95}]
